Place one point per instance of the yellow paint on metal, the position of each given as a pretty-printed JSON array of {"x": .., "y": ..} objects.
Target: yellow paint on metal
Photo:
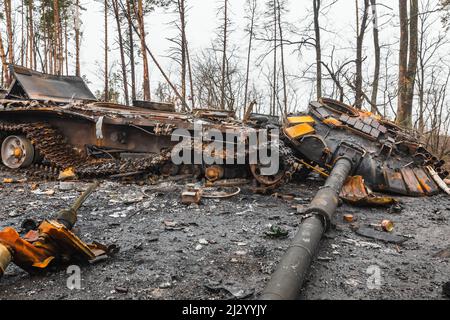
[
  {"x": 301, "y": 119},
  {"x": 299, "y": 131}
]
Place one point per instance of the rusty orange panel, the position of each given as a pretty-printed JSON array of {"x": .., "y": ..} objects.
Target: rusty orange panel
[
  {"x": 412, "y": 184},
  {"x": 394, "y": 181},
  {"x": 427, "y": 184},
  {"x": 354, "y": 189},
  {"x": 299, "y": 131}
]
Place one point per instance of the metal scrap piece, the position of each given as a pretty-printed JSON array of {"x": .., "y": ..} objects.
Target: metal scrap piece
[
  {"x": 381, "y": 236},
  {"x": 356, "y": 193}
]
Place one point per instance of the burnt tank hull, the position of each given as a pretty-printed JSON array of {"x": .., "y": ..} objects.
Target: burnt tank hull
[{"x": 390, "y": 159}]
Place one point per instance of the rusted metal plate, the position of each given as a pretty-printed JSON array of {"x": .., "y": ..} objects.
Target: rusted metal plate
[
  {"x": 355, "y": 192},
  {"x": 394, "y": 181},
  {"x": 191, "y": 195},
  {"x": 426, "y": 182},
  {"x": 41, "y": 87},
  {"x": 413, "y": 185},
  {"x": 354, "y": 189}
]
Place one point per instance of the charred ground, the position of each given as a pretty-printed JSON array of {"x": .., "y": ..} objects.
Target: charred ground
[{"x": 220, "y": 249}]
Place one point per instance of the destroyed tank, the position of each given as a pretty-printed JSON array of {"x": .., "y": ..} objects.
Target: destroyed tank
[
  {"x": 389, "y": 158},
  {"x": 50, "y": 124},
  {"x": 357, "y": 152}
]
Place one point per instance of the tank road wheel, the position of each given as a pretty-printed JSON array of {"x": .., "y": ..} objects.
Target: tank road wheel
[
  {"x": 267, "y": 180},
  {"x": 17, "y": 152}
]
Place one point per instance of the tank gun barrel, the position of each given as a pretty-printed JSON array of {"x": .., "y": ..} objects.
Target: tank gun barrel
[
  {"x": 288, "y": 279},
  {"x": 68, "y": 217}
]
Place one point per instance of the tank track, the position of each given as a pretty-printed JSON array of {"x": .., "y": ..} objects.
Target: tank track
[{"x": 58, "y": 155}]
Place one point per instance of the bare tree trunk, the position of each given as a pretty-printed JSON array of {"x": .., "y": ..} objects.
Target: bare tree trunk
[
  {"x": 275, "y": 43},
  {"x": 403, "y": 61},
  {"x": 183, "y": 44},
  {"x": 32, "y": 54},
  {"x": 316, "y": 9},
  {"x": 376, "y": 40},
  {"x": 57, "y": 38},
  {"x": 22, "y": 40},
  {"x": 106, "y": 53},
  {"x": 77, "y": 38},
  {"x": 224, "y": 56},
  {"x": 412, "y": 64},
  {"x": 122, "y": 54},
  {"x": 191, "y": 81},
  {"x": 7, "y": 4},
  {"x": 146, "y": 84},
  {"x": 66, "y": 49},
  {"x": 5, "y": 77},
  {"x": 130, "y": 35},
  {"x": 283, "y": 70},
  {"x": 359, "y": 44},
  {"x": 45, "y": 43},
  {"x": 252, "y": 4}
]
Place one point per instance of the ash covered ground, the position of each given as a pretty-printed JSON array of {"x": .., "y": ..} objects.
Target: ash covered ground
[{"x": 220, "y": 249}]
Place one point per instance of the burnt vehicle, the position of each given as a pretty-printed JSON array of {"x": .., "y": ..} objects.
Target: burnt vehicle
[
  {"x": 388, "y": 157},
  {"x": 50, "y": 124},
  {"x": 357, "y": 152}
]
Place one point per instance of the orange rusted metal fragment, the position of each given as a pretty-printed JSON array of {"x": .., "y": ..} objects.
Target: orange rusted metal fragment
[
  {"x": 25, "y": 254},
  {"x": 53, "y": 240},
  {"x": 427, "y": 184},
  {"x": 394, "y": 180},
  {"x": 412, "y": 184},
  {"x": 354, "y": 189},
  {"x": 356, "y": 192}
]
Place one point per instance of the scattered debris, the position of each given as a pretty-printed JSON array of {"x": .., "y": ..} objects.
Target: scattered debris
[
  {"x": 446, "y": 289},
  {"x": 287, "y": 197},
  {"x": 227, "y": 183},
  {"x": 68, "y": 174},
  {"x": 387, "y": 225},
  {"x": 191, "y": 195},
  {"x": 230, "y": 288},
  {"x": 349, "y": 218},
  {"x": 220, "y": 192},
  {"x": 10, "y": 180},
  {"x": 277, "y": 232},
  {"x": 445, "y": 253},
  {"x": 382, "y": 236},
  {"x": 362, "y": 244},
  {"x": 357, "y": 193},
  {"x": 121, "y": 289},
  {"x": 52, "y": 241},
  {"x": 325, "y": 259},
  {"x": 48, "y": 192},
  {"x": 67, "y": 186}
]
